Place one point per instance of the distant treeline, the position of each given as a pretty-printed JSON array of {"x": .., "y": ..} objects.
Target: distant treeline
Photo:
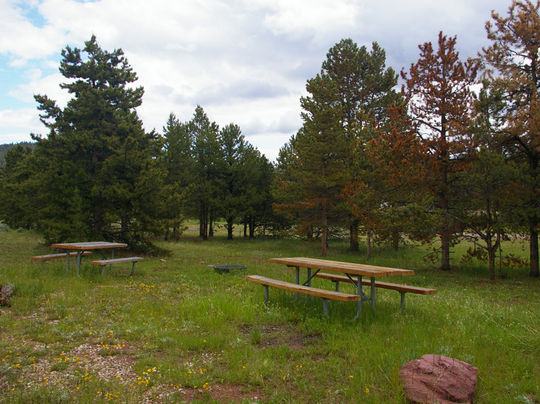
[{"x": 5, "y": 147}]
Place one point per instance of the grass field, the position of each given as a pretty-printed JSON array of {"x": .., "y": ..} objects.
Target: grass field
[{"x": 179, "y": 332}]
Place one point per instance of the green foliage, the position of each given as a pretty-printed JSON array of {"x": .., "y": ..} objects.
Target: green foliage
[
  {"x": 516, "y": 78},
  {"x": 4, "y": 148},
  {"x": 17, "y": 208},
  {"x": 352, "y": 91},
  {"x": 212, "y": 174},
  {"x": 94, "y": 175}
]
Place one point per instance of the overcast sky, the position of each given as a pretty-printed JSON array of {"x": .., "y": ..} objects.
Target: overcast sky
[{"x": 243, "y": 61}]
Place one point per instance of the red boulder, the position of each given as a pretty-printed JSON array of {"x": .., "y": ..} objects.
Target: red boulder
[{"x": 439, "y": 379}]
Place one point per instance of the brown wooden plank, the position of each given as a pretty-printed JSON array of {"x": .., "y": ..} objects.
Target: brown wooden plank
[
  {"x": 383, "y": 285},
  {"x": 88, "y": 245},
  {"x": 327, "y": 294},
  {"x": 343, "y": 267},
  {"x": 116, "y": 261}
]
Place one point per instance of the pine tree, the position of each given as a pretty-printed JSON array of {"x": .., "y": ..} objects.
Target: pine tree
[
  {"x": 514, "y": 57},
  {"x": 233, "y": 178},
  {"x": 179, "y": 166},
  {"x": 208, "y": 169},
  {"x": 364, "y": 88},
  {"x": 96, "y": 161},
  {"x": 438, "y": 92}
]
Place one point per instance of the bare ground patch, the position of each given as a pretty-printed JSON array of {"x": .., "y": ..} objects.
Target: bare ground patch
[{"x": 271, "y": 335}]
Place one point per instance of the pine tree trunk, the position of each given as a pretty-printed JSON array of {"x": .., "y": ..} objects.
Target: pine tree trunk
[
  {"x": 533, "y": 249},
  {"x": 324, "y": 238},
  {"x": 210, "y": 223},
  {"x": 443, "y": 195},
  {"x": 533, "y": 223},
  {"x": 309, "y": 232},
  {"x": 491, "y": 255},
  {"x": 395, "y": 240},
  {"x": 203, "y": 232},
  {"x": 491, "y": 250},
  {"x": 368, "y": 245},
  {"x": 445, "y": 248},
  {"x": 251, "y": 227},
  {"x": 229, "y": 228},
  {"x": 353, "y": 236},
  {"x": 245, "y": 226},
  {"x": 445, "y": 232}
]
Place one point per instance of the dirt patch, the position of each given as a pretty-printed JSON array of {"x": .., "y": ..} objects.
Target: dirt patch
[
  {"x": 226, "y": 393},
  {"x": 84, "y": 362},
  {"x": 272, "y": 335}
]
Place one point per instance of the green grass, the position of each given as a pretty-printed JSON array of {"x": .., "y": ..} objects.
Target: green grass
[{"x": 178, "y": 331}]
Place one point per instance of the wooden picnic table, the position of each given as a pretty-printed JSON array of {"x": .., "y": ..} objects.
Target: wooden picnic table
[
  {"x": 79, "y": 247},
  {"x": 349, "y": 269}
]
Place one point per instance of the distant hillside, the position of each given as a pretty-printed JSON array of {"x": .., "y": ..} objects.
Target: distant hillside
[{"x": 5, "y": 147}]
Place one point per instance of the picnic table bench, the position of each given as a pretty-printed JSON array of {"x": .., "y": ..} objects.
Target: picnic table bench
[
  {"x": 104, "y": 263},
  {"x": 308, "y": 290},
  {"x": 49, "y": 257},
  {"x": 402, "y": 289}
]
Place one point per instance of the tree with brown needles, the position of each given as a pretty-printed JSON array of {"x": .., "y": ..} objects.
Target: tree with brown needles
[
  {"x": 513, "y": 63},
  {"x": 437, "y": 88}
]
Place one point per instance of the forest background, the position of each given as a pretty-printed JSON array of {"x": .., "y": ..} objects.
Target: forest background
[{"x": 451, "y": 155}]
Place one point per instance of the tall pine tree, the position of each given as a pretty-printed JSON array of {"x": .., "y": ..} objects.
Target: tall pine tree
[
  {"x": 96, "y": 166},
  {"x": 514, "y": 57},
  {"x": 437, "y": 88}
]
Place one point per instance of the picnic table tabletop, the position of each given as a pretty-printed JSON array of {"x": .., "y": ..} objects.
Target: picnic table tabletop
[
  {"x": 343, "y": 267},
  {"x": 88, "y": 245}
]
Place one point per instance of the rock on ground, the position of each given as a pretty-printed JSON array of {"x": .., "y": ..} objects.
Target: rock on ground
[
  {"x": 439, "y": 379},
  {"x": 5, "y": 292}
]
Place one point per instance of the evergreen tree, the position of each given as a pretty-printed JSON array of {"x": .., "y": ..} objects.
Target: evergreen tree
[
  {"x": 514, "y": 57},
  {"x": 96, "y": 164},
  {"x": 364, "y": 90},
  {"x": 321, "y": 156},
  {"x": 257, "y": 176},
  {"x": 17, "y": 207},
  {"x": 437, "y": 88},
  {"x": 208, "y": 169},
  {"x": 179, "y": 167},
  {"x": 234, "y": 198}
]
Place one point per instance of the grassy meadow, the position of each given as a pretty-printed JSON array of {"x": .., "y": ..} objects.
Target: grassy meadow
[{"x": 179, "y": 332}]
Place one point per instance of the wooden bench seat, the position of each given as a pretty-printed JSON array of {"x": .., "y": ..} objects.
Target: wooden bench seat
[
  {"x": 49, "y": 257},
  {"x": 103, "y": 263},
  {"x": 402, "y": 289},
  {"x": 322, "y": 293}
]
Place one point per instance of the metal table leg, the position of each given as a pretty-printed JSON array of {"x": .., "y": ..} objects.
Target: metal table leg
[
  {"x": 79, "y": 254},
  {"x": 361, "y": 294},
  {"x": 297, "y": 280},
  {"x": 372, "y": 297}
]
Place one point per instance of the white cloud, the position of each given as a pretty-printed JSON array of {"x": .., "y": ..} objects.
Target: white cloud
[
  {"x": 244, "y": 61},
  {"x": 17, "y": 125},
  {"x": 38, "y": 84}
]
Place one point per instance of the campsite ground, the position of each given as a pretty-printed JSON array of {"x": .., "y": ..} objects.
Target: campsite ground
[{"x": 178, "y": 331}]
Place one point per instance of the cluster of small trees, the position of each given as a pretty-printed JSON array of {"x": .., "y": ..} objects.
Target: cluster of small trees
[
  {"x": 98, "y": 174},
  {"x": 214, "y": 174},
  {"x": 435, "y": 159}
]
